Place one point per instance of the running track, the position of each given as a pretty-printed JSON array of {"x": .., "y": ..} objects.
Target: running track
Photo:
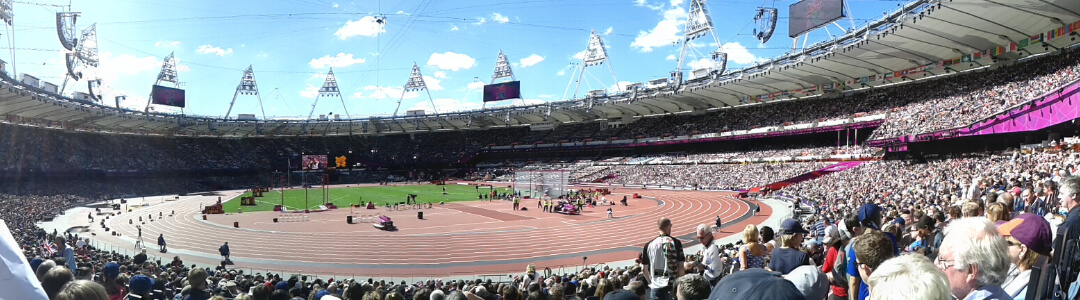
[{"x": 448, "y": 242}]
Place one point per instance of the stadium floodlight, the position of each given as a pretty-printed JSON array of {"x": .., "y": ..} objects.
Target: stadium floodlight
[
  {"x": 65, "y": 28},
  {"x": 698, "y": 23},
  {"x": 328, "y": 89},
  {"x": 415, "y": 83},
  {"x": 595, "y": 54},
  {"x": 247, "y": 86},
  {"x": 502, "y": 69},
  {"x": 88, "y": 46},
  {"x": 502, "y": 72},
  {"x": 6, "y": 13},
  {"x": 84, "y": 55},
  {"x": 166, "y": 76}
]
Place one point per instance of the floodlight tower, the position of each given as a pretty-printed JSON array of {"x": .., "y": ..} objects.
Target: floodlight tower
[
  {"x": 167, "y": 75},
  {"x": 84, "y": 55},
  {"x": 595, "y": 54},
  {"x": 6, "y": 14},
  {"x": 247, "y": 86},
  {"x": 415, "y": 83},
  {"x": 502, "y": 72},
  {"x": 328, "y": 89},
  {"x": 698, "y": 23}
]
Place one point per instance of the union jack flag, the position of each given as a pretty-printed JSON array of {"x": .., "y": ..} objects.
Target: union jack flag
[{"x": 48, "y": 248}]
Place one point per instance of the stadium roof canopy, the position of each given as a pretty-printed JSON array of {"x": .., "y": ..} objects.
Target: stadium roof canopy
[{"x": 920, "y": 34}]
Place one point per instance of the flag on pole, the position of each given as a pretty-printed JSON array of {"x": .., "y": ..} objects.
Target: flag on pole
[{"x": 999, "y": 50}]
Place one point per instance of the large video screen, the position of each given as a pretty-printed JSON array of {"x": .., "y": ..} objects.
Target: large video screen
[
  {"x": 314, "y": 162},
  {"x": 808, "y": 15},
  {"x": 502, "y": 91},
  {"x": 167, "y": 96}
]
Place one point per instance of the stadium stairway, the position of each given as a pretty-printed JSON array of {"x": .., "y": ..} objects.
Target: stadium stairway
[{"x": 813, "y": 175}]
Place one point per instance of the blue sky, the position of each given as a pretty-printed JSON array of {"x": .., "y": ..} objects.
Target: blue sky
[{"x": 292, "y": 44}]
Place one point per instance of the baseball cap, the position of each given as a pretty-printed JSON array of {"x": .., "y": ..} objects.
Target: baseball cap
[
  {"x": 754, "y": 284},
  {"x": 831, "y": 235},
  {"x": 111, "y": 270},
  {"x": 792, "y": 226},
  {"x": 1030, "y": 230},
  {"x": 282, "y": 286},
  {"x": 140, "y": 284},
  {"x": 321, "y": 293},
  {"x": 810, "y": 281},
  {"x": 925, "y": 222},
  {"x": 869, "y": 212},
  {"x": 34, "y": 263}
]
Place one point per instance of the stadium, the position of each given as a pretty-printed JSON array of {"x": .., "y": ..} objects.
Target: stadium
[{"x": 923, "y": 149}]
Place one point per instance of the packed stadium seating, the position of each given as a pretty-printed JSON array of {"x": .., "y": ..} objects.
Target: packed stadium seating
[{"x": 47, "y": 170}]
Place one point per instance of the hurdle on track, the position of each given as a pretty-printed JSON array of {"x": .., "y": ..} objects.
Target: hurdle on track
[{"x": 292, "y": 218}]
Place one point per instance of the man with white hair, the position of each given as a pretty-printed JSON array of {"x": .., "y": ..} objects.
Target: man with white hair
[
  {"x": 1068, "y": 197},
  {"x": 909, "y": 276},
  {"x": 710, "y": 255},
  {"x": 975, "y": 259}
]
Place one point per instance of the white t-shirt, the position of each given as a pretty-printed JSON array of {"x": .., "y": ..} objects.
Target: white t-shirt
[
  {"x": 653, "y": 256},
  {"x": 711, "y": 260}
]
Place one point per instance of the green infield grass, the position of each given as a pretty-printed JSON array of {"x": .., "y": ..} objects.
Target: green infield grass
[{"x": 298, "y": 198}]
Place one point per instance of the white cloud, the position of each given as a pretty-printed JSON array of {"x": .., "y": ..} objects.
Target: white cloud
[
  {"x": 499, "y": 18},
  {"x": 579, "y": 55},
  {"x": 480, "y": 21},
  {"x": 262, "y": 55},
  {"x": 402, "y": 12},
  {"x": 366, "y": 26},
  {"x": 703, "y": 63},
  {"x": 676, "y": 3},
  {"x": 310, "y": 92},
  {"x": 560, "y": 73},
  {"x": 335, "y": 5},
  {"x": 388, "y": 92},
  {"x": 181, "y": 67},
  {"x": 609, "y": 30},
  {"x": 112, "y": 67},
  {"x": 451, "y": 61},
  {"x": 440, "y": 74},
  {"x": 738, "y": 54},
  {"x": 532, "y": 60},
  {"x": 665, "y": 33},
  {"x": 339, "y": 61},
  {"x": 644, "y": 3},
  {"x": 167, "y": 44},
  {"x": 454, "y": 27},
  {"x": 446, "y": 105},
  {"x": 432, "y": 83},
  {"x": 208, "y": 49},
  {"x": 670, "y": 57},
  {"x": 476, "y": 85}
]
